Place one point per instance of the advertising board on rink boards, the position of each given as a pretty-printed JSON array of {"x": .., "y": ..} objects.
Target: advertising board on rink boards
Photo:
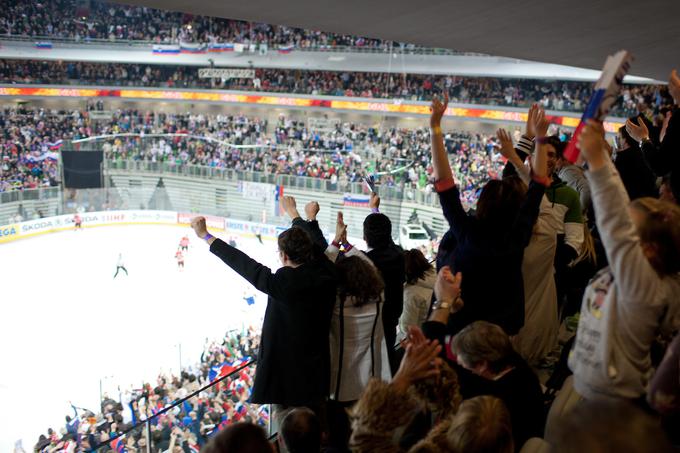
[
  {"x": 89, "y": 219},
  {"x": 20, "y": 230}
]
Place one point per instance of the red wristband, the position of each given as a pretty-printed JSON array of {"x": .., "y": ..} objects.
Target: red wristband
[
  {"x": 444, "y": 184},
  {"x": 335, "y": 244}
]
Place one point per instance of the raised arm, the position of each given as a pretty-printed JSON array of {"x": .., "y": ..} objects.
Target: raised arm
[
  {"x": 445, "y": 185},
  {"x": 526, "y": 143},
  {"x": 257, "y": 274},
  {"x": 528, "y": 213},
  {"x": 311, "y": 225},
  {"x": 509, "y": 152},
  {"x": 632, "y": 271}
]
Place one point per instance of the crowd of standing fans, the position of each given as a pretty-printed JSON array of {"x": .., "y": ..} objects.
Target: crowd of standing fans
[
  {"x": 550, "y": 94},
  {"x": 465, "y": 374}
]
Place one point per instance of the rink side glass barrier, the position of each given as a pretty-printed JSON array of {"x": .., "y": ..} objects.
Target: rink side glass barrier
[{"x": 188, "y": 421}]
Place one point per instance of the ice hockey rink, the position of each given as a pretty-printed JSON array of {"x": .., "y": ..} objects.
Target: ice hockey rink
[{"x": 68, "y": 325}]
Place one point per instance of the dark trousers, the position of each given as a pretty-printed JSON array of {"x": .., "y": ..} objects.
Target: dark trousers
[{"x": 118, "y": 268}]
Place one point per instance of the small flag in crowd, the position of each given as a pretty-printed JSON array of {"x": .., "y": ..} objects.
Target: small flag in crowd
[
  {"x": 43, "y": 45},
  {"x": 118, "y": 445},
  {"x": 355, "y": 200},
  {"x": 225, "y": 368},
  {"x": 604, "y": 95},
  {"x": 286, "y": 49},
  {"x": 55, "y": 145},
  {"x": 278, "y": 197}
]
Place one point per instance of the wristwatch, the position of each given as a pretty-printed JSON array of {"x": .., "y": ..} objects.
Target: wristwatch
[{"x": 442, "y": 305}]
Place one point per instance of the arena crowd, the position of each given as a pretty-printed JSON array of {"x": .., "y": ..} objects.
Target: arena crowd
[
  {"x": 599, "y": 237},
  {"x": 186, "y": 428},
  {"x": 551, "y": 94}
]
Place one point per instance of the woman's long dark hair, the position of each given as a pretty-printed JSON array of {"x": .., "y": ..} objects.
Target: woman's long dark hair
[
  {"x": 360, "y": 280},
  {"x": 416, "y": 265}
]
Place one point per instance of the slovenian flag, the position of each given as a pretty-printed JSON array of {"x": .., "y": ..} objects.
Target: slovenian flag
[
  {"x": 163, "y": 49},
  {"x": 43, "y": 45},
  {"x": 221, "y": 47},
  {"x": 191, "y": 47},
  {"x": 354, "y": 200},
  {"x": 55, "y": 145},
  {"x": 278, "y": 197},
  {"x": 286, "y": 49}
]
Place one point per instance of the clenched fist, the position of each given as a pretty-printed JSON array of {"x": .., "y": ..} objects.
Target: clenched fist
[
  {"x": 311, "y": 210},
  {"x": 198, "y": 224}
]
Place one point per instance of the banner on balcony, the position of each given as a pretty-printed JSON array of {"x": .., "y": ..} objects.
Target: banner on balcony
[
  {"x": 43, "y": 45},
  {"x": 257, "y": 190},
  {"x": 355, "y": 200},
  {"x": 221, "y": 47},
  {"x": 192, "y": 47},
  {"x": 219, "y": 73},
  {"x": 165, "y": 49}
]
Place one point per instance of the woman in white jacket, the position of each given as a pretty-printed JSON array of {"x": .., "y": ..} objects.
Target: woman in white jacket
[{"x": 358, "y": 348}]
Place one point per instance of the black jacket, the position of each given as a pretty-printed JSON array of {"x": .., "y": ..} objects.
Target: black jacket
[
  {"x": 637, "y": 177},
  {"x": 293, "y": 361},
  {"x": 490, "y": 261},
  {"x": 519, "y": 389},
  {"x": 390, "y": 262}
]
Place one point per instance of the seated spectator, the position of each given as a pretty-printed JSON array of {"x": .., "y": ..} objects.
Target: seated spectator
[
  {"x": 629, "y": 303},
  {"x": 482, "y": 424},
  {"x": 420, "y": 278},
  {"x": 485, "y": 350},
  {"x": 301, "y": 431},
  {"x": 240, "y": 438}
]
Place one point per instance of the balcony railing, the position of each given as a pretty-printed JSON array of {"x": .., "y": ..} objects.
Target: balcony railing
[
  {"x": 387, "y": 192},
  {"x": 396, "y": 48}
]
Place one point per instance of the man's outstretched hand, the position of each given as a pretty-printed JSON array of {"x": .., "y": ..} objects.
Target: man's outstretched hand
[
  {"x": 311, "y": 210},
  {"x": 374, "y": 201},
  {"x": 290, "y": 207},
  {"x": 198, "y": 224},
  {"x": 438, "y": 108}
]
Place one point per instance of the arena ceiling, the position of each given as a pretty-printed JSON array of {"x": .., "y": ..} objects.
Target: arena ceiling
[{"x": 575, "y": 32}]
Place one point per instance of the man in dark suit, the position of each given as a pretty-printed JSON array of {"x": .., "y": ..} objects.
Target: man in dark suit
[
  {"x": 293, "y": 361},
  {"x": 389, "y": 259}
]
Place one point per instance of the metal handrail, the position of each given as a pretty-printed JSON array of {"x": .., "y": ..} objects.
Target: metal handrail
[{"x": 408, "y": 49}]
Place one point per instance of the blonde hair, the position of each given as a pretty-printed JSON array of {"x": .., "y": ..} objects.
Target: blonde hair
[
  {"x": 588, "y": 249},
  {"x": 482, "y": 425},
  {"x": 660, "y": 229}
]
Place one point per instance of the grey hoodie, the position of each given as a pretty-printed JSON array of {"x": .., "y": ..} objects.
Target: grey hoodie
[{"x": 625, "y": 305}]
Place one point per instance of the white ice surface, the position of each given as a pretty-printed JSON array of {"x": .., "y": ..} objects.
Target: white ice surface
[{"x": 66, "y": 323}]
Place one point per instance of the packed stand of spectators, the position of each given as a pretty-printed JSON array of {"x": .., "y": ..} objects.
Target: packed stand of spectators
[
  {"x": 28, "y": 144},
  {"x": 112, "y": 21},
  {"x": 342, "y": 154},
  {"x": 185, "y": 428},
  {"x": 603, "y": 231},
  {"x": 552, "y": 95}
]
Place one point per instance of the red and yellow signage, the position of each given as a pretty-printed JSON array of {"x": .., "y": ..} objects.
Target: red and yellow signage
[{"x": 380, "y": 107}]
